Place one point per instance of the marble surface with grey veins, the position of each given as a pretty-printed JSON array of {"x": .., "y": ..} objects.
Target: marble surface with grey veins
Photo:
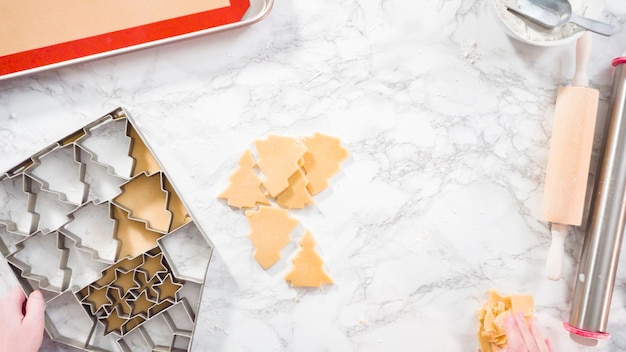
[{"x": 447, "y": 121}]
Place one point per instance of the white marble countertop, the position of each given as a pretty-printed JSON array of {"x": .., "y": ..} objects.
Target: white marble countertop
[{"x": 447, "y": 121}]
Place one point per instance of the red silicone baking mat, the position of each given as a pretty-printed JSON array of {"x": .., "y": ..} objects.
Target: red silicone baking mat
[{"x": 38, "y": 33}]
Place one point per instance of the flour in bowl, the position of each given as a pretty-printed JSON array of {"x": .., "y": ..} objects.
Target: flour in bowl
[{"x": 536, "y": 33}]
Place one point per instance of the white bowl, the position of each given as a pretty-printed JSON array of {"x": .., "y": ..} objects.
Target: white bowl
[{"x": 533, "y": 34}]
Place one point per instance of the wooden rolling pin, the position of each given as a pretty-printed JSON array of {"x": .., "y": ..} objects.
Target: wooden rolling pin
[{"x": 570, "y": 155}]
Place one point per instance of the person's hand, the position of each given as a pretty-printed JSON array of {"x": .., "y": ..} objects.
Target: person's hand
[
  {"x": 21, "y": 325},
  {"x": 523, "y": 336}
]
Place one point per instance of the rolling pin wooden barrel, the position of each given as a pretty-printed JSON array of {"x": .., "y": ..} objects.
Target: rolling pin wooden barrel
[{"x": 571, "y": 145}]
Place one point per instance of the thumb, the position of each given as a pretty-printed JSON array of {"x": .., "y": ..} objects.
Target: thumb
[{"x": 34, "y": 317}]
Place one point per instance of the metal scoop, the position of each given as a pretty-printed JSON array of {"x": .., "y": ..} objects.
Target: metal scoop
[{"x": 554, "y": 13}]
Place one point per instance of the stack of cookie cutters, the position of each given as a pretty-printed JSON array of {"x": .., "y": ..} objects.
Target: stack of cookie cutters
[{"x": 94, "y": 222}]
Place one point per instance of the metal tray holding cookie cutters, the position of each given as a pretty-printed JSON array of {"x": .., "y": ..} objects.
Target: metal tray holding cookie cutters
[{"x": 95, "y": 223}]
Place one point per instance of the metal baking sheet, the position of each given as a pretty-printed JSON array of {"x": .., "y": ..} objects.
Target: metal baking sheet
[{"x": 257, "y": 11}]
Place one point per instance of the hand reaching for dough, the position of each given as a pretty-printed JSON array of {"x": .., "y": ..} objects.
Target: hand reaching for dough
[
  {"x": 22, "y": 324},
  {"x": 523, "y": 336}
]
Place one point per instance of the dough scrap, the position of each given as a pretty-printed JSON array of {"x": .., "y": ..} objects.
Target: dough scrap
[
  {"x": 244, "y": 190},
  {"x": 270, "y": 233},
  {"x": 279, "y": 158},
  {"x": 308, "y": 268},
  {"x": 491, "y": 316},
  {"x": 322, "y": 159}
]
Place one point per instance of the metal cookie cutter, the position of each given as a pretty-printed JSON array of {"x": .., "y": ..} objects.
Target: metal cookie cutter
[
  {"x": 52, "y": 211},
  {"x": 109, "y": 145},
  {"x": 153, "y": 212},
  {"x": 92, "y": 227},
  {"x": 103, "y": 185},
  {"x": 18, "y": 210},
  {"x": 42, "y": 258},
  {"x": 59, "y": 172}
]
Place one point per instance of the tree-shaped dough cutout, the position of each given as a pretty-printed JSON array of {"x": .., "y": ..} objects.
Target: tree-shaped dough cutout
[
  {"x": 322, "y": 159},
  {"x": 308, "y": 266},
  {"x": 270, "y": 229},
  {"x": 279, "y": 158},
  {"x": 296, "y": 196},
  {"x": 244, "y": 190}
]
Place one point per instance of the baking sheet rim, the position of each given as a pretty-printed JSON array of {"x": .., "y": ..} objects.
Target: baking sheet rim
[{"x": 256, "y": 17}]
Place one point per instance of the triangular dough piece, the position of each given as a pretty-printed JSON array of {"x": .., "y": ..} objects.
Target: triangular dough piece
[
  {"x": 322, "y": 159},
  {"x": 244, "y": 190},
  {"x": 270, "y": 229},
  {"x": 296, "y": 196},
  {"x": 308, "y": 266},
  {"x": 279, "y": 158}
]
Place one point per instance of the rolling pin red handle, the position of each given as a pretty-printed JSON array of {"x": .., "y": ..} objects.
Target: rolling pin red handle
[{"x": 586, "y": 337}]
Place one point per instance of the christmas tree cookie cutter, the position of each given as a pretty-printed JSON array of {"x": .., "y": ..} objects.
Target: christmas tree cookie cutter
[{"x": 18, "y": 211}]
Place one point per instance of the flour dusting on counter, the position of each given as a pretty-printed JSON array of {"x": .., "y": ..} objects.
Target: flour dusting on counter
[{"x": 470, "y": 52}]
